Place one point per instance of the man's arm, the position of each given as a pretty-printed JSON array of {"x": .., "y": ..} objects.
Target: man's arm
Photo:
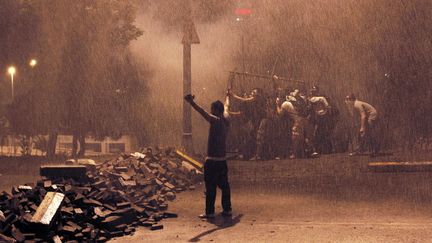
[
  {"x": 227, "y": 111},
  {"x": 227, "y": 106},
  {"x": 363, "y": 117},
  {"x": 242, "y": 99},
  {"x": 279, "y": 109},
  {"x": 319, "y": 99},
  {"x": 190, "y": 99},
  {"x": 235, "y": 113}
]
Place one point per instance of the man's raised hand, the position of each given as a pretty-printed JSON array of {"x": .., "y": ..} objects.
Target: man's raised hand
[
  {"x": 229, "y": 93},
  {"x": 189, "y": 98},
  {"x": 278, "y": 102}
]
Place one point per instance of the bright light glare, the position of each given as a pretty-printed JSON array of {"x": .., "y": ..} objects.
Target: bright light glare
[
  {"x": 11, "y": 70},
  {"x": 33, "y": 62}
]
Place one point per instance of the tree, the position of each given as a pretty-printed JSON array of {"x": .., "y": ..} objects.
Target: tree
[
  {"x": 92, "y": 68},
  {"x": 84, "y": 66}
]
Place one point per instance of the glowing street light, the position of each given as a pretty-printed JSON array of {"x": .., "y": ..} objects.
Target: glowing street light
[
  {"x": 12, "y": 71},
  {"x": 33, "y": 63}
]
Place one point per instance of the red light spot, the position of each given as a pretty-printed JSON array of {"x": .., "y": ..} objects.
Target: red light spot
[{"x": 243, "y": 11}]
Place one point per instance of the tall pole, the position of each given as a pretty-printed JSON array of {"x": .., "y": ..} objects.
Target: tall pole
[
  {"x": 190, "y": 37},
  {"x": 11, "y": 71},
  {"x": 187, "y": 142},
  {"x": 12, "y": 86},
  {"x": 13, "y": 98},
  {"x": 243, "y": 52}
]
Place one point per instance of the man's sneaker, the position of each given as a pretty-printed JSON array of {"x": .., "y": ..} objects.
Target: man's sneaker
[
  {"x": 227, "y": 213},
  {"x": 206, "y": 216},
  {"x": 315, "y": 155},
  {"x": 292, "y": 156}
]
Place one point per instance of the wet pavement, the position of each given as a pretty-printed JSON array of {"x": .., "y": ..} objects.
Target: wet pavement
[
  {"x": 332, "y": 199},
  {"x": 269, "y": 217}
]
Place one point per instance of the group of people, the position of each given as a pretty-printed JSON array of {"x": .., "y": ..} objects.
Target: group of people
[
  {"x": 289, "y": 124},
  {"x": 306, "y": 122},
  {"x": 294, "y": 124}
]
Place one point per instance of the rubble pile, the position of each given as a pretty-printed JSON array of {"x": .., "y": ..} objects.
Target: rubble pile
[{"x": 110, "y": 200}]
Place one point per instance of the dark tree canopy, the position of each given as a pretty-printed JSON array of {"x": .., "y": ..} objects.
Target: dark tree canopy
[{"x": 85, "y": 81}]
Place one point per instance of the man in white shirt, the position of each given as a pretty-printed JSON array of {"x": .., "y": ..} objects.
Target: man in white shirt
[
  {"x": 368, "y": 132},
  {"x": 301, "y": 131},
  {"x": 321, "y": 120}
]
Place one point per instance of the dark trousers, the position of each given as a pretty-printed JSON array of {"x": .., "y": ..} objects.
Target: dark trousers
[
  {"x": 322, "y": 138},
  {"x": 371, "y": 139},
  {"x": 216, "y": 175}
]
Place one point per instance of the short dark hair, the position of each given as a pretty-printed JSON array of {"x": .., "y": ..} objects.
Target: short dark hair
[
  {"x": 351, "y": 97},
  {"x": 218, "y": 106},
  {"x": 314, "y": 90},
  {"x": 259, "y": 91}
]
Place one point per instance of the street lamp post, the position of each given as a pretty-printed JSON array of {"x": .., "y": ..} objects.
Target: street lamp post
[{"x": 11, "y": 71}]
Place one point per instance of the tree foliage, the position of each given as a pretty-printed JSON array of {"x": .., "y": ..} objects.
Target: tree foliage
[{"x": 85, "y": 80}]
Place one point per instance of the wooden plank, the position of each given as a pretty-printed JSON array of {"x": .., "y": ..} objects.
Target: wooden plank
[
  {"x": 48, "y": 208},
  {"x": 53, "y": 171},
  {"x": 188, "y": 166},
  {"x": 421, "y": 166},
  {"x": 189, "y": 159}
]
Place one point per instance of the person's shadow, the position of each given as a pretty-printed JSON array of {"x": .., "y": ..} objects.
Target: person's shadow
[{"x": 221, "y": 222}]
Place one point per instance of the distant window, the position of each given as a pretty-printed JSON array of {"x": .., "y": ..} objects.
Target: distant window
[
  {"x": 65, "y": 145},
  {"x": 116, "y": 147},
  {"x": 95, "y": 147}
]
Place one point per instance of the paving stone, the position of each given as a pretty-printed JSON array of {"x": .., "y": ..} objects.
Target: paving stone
[
  {"x": 96, "y": 205},
  {"x": 48, "y": 209},
  {"x": 156, "y": 227}
]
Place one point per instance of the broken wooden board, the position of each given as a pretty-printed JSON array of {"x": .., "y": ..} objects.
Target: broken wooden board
[
  {"x": 423, "y": 166},
  {"x": 189, "y": 159},
  {"x": 189, "y": 167},
  {"x": 48, "y": 208}
]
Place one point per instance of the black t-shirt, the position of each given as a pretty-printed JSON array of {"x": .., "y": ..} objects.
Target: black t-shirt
[
  {"x": 216, "y": 146},
  {"x": 256, "y": 109}
]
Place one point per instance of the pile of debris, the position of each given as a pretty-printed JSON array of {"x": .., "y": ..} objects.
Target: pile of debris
[{"x": 97, "y": 202}]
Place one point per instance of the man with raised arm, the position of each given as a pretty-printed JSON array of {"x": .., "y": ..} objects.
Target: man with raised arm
[
  {"x": 258, "y": 116},
  {"x": 215, "y": 167}
]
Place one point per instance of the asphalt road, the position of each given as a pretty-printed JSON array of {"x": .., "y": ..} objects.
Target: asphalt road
[
  {"x": 261, "y": 216},
  {"x": 331, "y": 199}
]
